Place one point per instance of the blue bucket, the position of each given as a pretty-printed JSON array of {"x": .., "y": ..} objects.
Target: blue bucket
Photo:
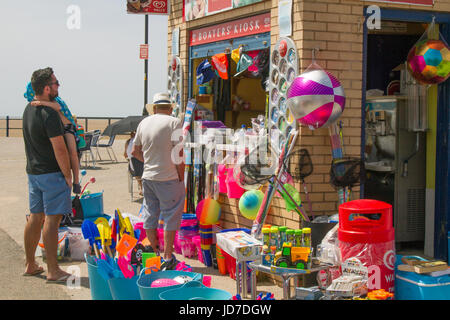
[
  {"x": 145, "y": 281},
  {"x": 124, "y": 289},
  {"x": 99, "y": 287},
  {"x": 194, "y": 290},
  {"x": 92, "y": 205}
]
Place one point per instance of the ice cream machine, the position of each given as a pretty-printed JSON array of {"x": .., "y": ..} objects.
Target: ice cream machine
[{"x": 395, "y": 156}]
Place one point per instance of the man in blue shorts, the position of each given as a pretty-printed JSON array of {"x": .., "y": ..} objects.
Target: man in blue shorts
[
  {"x": 49, "y": 176},
  {"x": 162, "y": 180}
]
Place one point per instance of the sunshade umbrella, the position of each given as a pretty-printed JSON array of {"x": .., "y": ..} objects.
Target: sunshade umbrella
[{"x": 124, "y": 126}]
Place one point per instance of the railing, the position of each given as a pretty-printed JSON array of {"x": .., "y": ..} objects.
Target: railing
[{"x": 9, "y": 124}]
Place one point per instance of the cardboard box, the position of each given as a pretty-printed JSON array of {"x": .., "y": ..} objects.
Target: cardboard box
[{"x": 239, "y": 245}]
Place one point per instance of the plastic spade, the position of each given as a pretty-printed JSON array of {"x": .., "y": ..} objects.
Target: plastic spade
[
  {"x": 89, "y": 230},
  {"x": 125, "y": 244},
  {"x": 128, "y": 226},
  {"x": 105, "y": 270},
  {"x": 125, "y": 267},
  {"x": 104, "y": 232}
]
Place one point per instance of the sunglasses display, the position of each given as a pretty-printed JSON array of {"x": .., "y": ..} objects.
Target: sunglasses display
[
  {"x": 175, "y": 85},
  {"x": 283, "y": 71}
]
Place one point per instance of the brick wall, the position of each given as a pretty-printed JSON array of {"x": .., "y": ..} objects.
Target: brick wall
[{"x": 335, "y": 27}]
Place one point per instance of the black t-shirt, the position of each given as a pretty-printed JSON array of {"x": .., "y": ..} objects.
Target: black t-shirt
[{"x": 38, "y": 125}]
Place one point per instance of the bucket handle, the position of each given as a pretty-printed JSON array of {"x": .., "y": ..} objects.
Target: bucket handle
[
  {"x": 193, "y": 284},
  {"x": 152, "y": 268}
]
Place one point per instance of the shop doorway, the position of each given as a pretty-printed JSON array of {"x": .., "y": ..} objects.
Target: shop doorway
[
  {"x": 396, "y": 132},
  {"x": 434, "y": 142}
]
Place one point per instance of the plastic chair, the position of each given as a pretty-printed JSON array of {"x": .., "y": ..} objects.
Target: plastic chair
[
  {"x": 87, "y": 150},
  {"x": 107, "y": 146},
  {"x": 131, "y": 179}
]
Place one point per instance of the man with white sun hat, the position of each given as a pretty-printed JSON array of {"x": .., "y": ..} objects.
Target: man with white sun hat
[{"x": 162, "y": 180}]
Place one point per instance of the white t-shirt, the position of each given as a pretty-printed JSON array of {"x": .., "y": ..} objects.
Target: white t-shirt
[
  {"x": 154, "y": 134},
  {"x": 129, "y": 149}
]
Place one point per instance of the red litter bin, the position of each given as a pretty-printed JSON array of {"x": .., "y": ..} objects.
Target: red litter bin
[{"x": 367, "y": 240}]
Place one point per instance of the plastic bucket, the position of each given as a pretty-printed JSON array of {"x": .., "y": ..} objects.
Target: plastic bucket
[
  {"x": 99, "y": 287},
  {"x": 234, "y": 191},
  {"x": 124, "y": 289},
  {"x": 197, "y": 242},
  {"x": 145, "y": 281},
  {"x": 194, "y": 290},
  {"x": 92, "y": 205}
]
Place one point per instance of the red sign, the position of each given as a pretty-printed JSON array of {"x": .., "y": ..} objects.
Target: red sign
[
  {"x": 230, "y": 30},
  {"x": 219, "y": 5},
  {"x": 143, "y": 51},
  {"x": 416, "y": 2},
  {"x": 148, "y": 6}
]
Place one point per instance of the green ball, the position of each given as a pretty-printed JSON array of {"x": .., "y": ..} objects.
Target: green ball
[{"x": 250, "y": 202}]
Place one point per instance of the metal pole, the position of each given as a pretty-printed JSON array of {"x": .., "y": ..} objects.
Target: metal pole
[
  {"x": 7, "y": 126},
  {"x": 144, "y": 112}
]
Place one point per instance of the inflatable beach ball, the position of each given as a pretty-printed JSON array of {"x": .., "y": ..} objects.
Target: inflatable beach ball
[
  {"x": 250, "y": 202},
  {"x": 429, "y": 61},
  {"x": 316, "y": 98},
  {"x": 208, "y": 211}
]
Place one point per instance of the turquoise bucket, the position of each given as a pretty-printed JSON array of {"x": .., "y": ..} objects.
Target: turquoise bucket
[
  {"x": 124, "y": 289},
  {"x": 99, "y": 287},
  {"x": 195, "y": 290},
  {"x": 92, "y": 205},
  {"x": 145, "y": 281}
]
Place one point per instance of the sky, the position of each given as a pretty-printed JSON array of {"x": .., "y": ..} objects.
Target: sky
[{"x": 93, "y": 48}]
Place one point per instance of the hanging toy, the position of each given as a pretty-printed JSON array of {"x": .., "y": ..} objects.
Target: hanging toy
[
  {"x": 428, "y": 60},
  {"x": 316, "y": 98}
]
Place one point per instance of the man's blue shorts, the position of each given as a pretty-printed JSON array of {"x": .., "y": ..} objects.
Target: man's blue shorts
[{"x": 49, "y": 193}]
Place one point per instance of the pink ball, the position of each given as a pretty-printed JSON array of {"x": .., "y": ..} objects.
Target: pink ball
[
  {"x": 164, "y": 283},
  {"x": 316, "y": 98}
]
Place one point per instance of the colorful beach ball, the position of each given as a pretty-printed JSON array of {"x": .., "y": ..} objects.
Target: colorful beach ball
[
  {"x": 316, "y": 98},
  {"x": 250, "y": 202},
  {"x": 429, "y": 61},
  {"x": 208, "y": 211}
]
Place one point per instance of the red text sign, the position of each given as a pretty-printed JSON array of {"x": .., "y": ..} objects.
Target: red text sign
[
  {"x": 148, "y": 7},
  {"x": 143, "y": 51},
  {"x": 416, "y": 2},
  {"x": 230, "y": 30}
]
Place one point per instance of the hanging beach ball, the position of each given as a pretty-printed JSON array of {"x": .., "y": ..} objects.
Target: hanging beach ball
[
  {"x": 208, "y": 211},
  {"x": 429, "y": 61},
  {"x": 250, "y": 202},
  {"x": 316, "y": 98}
]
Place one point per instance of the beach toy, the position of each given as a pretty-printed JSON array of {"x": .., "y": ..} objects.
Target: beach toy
[
  {"x": 428, "y": 61},
  {"x": 250, "y": 202},
  {"x": 125, "y": 244},
  {"x": 90, "y": 232},
  {"x": 164, "y": 283},
  {"x": 295, "y": 195},
  {"x": 208, "y": 211},
  {"x": 195, "y": 290},
  {"x": 316, "y": 98},
  {"x": 125, "y": 267},
  {"x": 140, "y": 226},
  {"x": 222, "y": 169},
  {"x": 234, "y": 191}
]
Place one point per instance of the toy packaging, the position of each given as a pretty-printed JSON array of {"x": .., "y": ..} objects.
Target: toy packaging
[{"x": 239, "y": 245}]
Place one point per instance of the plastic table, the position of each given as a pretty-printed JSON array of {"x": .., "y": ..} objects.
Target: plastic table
[{"x": 285, "y": 273}]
